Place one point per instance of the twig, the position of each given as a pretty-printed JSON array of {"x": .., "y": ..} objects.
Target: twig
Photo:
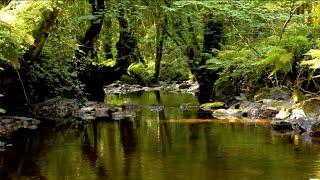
[
  {"x": 23, "y": 88},
  {"x": 245, "y": 40},
  {"x": 291, "y": 12},
  {"x": 305, "y": 91}
]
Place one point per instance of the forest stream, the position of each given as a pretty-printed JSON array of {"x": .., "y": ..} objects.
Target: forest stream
[{"x": 172, "y": 142}]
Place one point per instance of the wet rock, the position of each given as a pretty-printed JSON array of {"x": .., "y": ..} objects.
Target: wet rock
[
  {"x": 282, "y": 115},
  {"x": 298, "y": 114},
  {"x": 193, "y": 88},
  {"x": 254, "y": 113},
  {"x": 129, "y": 106},
  {"x": 118, "y": 115},
  {"x": 10, "y": 124},
  {"x": 280, "y": 125},
  {"x": 315, "y": 128},
  {"x": 268, "y": 113},
  {"x": 276, "y": 93},
  {"x": 58, "y": 109},
  {"x": 32, "y": 127},
  {"x": 311, "y": 106},
  {"x": 119, "y": 88},
  {"x": 184, "y": 106},
  {"x": 156, "y": 107},
  {"x": 275, "y": 104},
  {"x": 228, "y": 113},
  {"x": 212, "y": 106},
  {"x": 184, "y": 85},
  {"x": 102, "y": 112}
]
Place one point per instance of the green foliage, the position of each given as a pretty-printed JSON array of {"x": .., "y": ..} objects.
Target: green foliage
[
  {"x": 17, "y": 27},
  {"x": 238, "y": 70},
  {"x": 278, "y": 60},
  {"x": 252, "y": 52},
  {"x": 142, "y": 72},
  {"x": 314, "y": 63},
  {"x": 2, "y": 111},
  {"x": 13, "y": 43}
]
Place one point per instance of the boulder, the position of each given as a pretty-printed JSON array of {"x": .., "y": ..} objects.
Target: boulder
[
  {"x": 311, "y": 106},
  {"x": 282, "y": 115}
]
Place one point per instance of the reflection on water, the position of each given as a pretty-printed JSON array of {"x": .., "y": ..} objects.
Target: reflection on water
[{"x": 151, "y": 147}]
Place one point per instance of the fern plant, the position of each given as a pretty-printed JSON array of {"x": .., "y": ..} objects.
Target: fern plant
[{"x": 277, "y": 60}]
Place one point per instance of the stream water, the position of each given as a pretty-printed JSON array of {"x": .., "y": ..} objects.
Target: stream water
[{"x": 168, "y": 144}]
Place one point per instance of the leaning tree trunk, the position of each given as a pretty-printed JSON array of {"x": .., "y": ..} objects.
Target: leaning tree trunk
[
  {"x": 92, "y": 33},
  {"x": 95, "y": 77},
  {"x": 93, "y": 86}
]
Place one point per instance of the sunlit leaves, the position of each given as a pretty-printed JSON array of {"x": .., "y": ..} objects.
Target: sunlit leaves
[
  {"x": 279, "y": 60},
  {"x": 314, "y": 63}
]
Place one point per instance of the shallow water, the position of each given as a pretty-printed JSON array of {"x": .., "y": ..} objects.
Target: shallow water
[{"x": 170, "y": 144}]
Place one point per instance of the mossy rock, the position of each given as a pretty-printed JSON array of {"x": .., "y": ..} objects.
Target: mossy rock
[
  {"x": 298, "y": 96},
  {"x": 311, "y": 106},
  {"x": 212, "y": 106},
  {"x": 277, "y": 93}
]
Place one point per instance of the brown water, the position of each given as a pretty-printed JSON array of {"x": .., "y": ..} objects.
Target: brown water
[{"x": 171, "y": 144}]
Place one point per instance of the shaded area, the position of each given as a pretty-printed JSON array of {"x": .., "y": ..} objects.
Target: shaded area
[{"x": 149, "y": 146}]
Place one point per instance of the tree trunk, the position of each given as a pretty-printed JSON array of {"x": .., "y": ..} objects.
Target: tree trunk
[
  {"x": 91, "y": 75},
  {"x": 6, "y": 2},
  {"x": 92, "y": 33},
  {"x": 12, "y": 81},
  {"x": 197, "y": 58},
  {"x": 95, "y": 77},
  {"x": 160, "y": 38},
  {"x": 50, "y": 18},
  {"x": 126, "y": 44}
]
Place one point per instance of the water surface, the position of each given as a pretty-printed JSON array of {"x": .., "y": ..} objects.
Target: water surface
[{"x": 156, "y": 145}]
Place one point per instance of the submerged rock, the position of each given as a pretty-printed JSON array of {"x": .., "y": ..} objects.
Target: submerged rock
[
  {"x": 123, "y": 115},
  {"x": 130, "y": 106},
  {"x": 156, "y": 107}
]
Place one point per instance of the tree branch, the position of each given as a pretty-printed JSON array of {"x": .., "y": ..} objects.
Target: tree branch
[
  {"x": 291, "y": 13},
  {"x": 245, "y": 40}
]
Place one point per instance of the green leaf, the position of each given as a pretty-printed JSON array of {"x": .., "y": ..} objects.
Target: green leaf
[{"x": 2, "y": 111}]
